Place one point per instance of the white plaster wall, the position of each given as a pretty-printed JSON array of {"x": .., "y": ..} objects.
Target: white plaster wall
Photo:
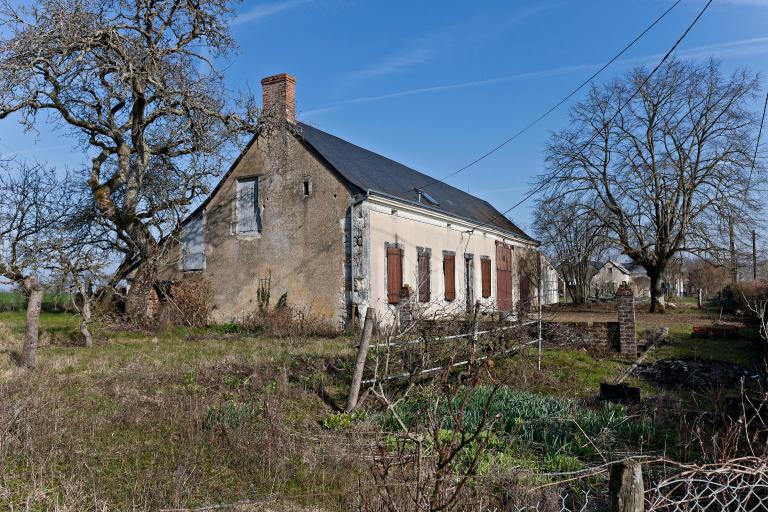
[
  {"x": 603, "y": 278},
  {"x": 390, "y": 224}
]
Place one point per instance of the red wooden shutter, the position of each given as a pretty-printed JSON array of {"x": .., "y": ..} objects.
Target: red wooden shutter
[
  {"x": 449, "y": 274},
  {"x": 503, "y": 276},
  {"x": 394, "y": 274},
  {"x": 485, "y": 274},
  {"x": 424, "y": 284}
]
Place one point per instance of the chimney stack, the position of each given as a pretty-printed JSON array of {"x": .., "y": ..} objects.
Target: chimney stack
[{"x": 279, "y": 96}]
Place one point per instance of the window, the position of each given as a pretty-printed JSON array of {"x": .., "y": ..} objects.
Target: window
[
  {"x": 248, "y": 214},
  {"x": 423, "y": 274},
  {"x": 424, "y": 196},
  {"x": 610, "y": 271},
  {"x": 306, "y": 186},
  {"x": 449, "y": 275},
  {"x": 394, "y": 273},
  {"x": 485, "y": 275},
  {"x": 193, "y": 244}
]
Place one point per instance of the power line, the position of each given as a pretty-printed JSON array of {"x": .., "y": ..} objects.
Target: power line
[
  {"x": 554, "y": 107},
  {"x": 610, "y": 121}
]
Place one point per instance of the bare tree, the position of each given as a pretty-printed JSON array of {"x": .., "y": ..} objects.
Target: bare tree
[
  {"x": 134, "y": 83},
  {"x": 706, "y": 276},
  {"x": 660, "y": 161},
  {"x": 573, "y": 239},
  {"x": 82, "y": 272},
  {"x": 32, "y": 205}
]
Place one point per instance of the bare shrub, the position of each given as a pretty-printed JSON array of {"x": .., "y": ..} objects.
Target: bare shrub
[
  {"x": 187, "y": 303},
  {"x": 287, "y": 321}
]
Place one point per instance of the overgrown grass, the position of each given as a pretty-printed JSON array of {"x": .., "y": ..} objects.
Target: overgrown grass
[{"x": 184, "y": 417}]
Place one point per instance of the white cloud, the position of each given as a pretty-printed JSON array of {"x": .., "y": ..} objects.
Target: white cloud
[
  {"x": 262, "y": 11},
  {"x": 396, "y": 63},
  {"x": 743, "y": 47}
]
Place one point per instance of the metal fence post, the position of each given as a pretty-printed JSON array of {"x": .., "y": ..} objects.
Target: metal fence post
[
  {"x": 362, "y": 353},
  {"x": 475, "y": 329}
]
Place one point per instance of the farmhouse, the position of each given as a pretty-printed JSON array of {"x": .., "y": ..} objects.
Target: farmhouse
[
  {"x": 339, "y": 229},
  {"x": 609, "y": 276}
]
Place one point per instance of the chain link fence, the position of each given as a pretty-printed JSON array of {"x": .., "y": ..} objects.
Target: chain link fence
[{"x": 737, "y": 485}]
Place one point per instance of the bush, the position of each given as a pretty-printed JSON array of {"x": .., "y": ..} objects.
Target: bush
[
  {"x": 747, "y": 296},
  {"x": 188, "y": 303}
]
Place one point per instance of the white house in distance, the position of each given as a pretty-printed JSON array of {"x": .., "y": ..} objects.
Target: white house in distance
[
  {"x": 611, "y": 274},
  {"x": 340, "y": 229}
]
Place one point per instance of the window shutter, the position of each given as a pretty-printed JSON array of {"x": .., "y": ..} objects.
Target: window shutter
[
  {"x": 248, "y": 215},
  {"x": 449, "y": 275},
  {"x": 394, "y": 274},
  {"x": 485, "y": 273},
  {"x": 424, "y": 284},
  {"x": 193, "y": 238}
]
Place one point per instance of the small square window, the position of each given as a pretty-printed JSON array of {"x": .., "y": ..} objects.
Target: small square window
[{"x": 306, "y": 186}]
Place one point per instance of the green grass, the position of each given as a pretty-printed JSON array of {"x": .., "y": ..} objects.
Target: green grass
[{"x": 743, "y": 350}]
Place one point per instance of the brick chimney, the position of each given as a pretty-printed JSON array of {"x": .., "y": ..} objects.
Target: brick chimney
[{"x": 279, "y": 96}]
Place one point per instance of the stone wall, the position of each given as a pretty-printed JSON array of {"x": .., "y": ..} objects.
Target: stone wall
[
  {"x": 596, "y": 336},
  {"x": 619, "y": 336}
]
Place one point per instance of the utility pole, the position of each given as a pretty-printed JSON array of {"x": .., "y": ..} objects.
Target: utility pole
[{"x": 734, "y": 263}]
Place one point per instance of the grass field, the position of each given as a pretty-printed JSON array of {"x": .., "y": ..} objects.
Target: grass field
[{"x": 195, "y": 417}]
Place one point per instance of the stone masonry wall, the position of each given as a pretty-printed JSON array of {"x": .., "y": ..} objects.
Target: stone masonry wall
[{"x": 598, "y": 336}]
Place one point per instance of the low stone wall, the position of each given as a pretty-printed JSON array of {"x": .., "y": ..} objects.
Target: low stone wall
[{"x": 599, "y": 336}]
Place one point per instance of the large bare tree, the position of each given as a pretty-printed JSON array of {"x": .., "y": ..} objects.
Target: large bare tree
[
  {"x": 658, "y": 161},
  {"x": 134, "y": 82},
  {"x": 573, "y": 239}
]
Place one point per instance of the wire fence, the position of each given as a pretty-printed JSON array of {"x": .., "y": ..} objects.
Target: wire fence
[
  {"x": 430, "y": 352},
  {"x": 737, "y": 485}
]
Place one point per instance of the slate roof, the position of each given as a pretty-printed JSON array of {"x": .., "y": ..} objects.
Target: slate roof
[
  {"x": 371, "y": 172},
  {"x": 628, "y": 268}
]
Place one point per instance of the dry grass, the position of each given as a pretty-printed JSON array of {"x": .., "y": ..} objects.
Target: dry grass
[{"x": 127, "y": 425}]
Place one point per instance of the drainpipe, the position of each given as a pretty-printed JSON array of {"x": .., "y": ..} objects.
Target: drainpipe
[{"x": 356, "y": 201}]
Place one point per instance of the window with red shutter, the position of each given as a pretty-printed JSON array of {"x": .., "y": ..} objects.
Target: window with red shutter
[
  {"x": 449, "y": 276},
  {"x": 394, "y": 274},
  {"x": 485, "y": 274},
  {"x": 423, "y": 275}
]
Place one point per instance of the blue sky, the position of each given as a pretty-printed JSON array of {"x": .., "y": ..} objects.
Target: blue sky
[{"x": 436, "y": 84}]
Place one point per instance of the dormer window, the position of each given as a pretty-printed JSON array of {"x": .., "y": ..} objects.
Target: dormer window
[{"x": 425, "y": 198}]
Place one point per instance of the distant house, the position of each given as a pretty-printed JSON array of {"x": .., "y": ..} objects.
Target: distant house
[
  {"x": 611, "y": 274},
  {"x": 341, "y": 229}
]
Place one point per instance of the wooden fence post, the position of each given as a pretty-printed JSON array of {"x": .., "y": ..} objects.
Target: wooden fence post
[
  {"x": 362, "y": 353},
  {"x": 626, "y": 487}
]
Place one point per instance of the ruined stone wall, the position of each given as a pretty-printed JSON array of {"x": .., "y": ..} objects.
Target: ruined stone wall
[{"x": 594, "y": 336}]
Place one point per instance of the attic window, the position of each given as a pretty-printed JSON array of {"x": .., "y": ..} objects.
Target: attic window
[
  {"x": 424, "y": 197},
  {"x": 306, "y": 186}
]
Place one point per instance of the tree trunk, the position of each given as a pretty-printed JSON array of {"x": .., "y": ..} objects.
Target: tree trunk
[
  {"x": 34, "y": 303},
  {"x": 85, "y": 313},
  {"x": 656, "y": 306}
]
